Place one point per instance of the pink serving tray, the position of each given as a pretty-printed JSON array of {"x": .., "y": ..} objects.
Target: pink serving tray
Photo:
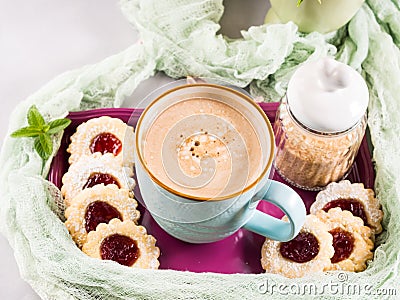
[{"x": 239, "y": 253}]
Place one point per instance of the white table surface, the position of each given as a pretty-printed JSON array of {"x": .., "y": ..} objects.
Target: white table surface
[{"x": 40, "y": 39}]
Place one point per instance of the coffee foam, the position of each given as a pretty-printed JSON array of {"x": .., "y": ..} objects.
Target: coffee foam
[{"x": 203, "y": 148}]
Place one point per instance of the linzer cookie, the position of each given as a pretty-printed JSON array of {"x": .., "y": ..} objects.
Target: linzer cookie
[
  {"x": 103, "y": 135},
  {"x": 354, "y": 198},
  {"x": 310, "y": 251},
  {"x": 96, "y": 205},
  {"x": 125, "y": 243},
  {"x": 352, "y": 240},
  {"x": 95, "y": 169}
]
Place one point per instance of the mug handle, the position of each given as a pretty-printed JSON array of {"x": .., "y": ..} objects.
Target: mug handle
[{"x": 289, "y": 202}]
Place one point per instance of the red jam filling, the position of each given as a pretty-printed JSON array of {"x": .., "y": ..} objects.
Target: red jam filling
[
  {"x": 106, "y": 143},
  {"x": 120, "y": 248},
  {"x": 99, "y": 212},
  {"x": 98, "y": 178},
  {"x": 303, "y": 248},
  {"x": 343, "y": 243},
  {"x": 352, "y": 205}
]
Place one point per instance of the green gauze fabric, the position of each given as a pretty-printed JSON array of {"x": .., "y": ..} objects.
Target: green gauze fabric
[{"x": 180, "y": 38}]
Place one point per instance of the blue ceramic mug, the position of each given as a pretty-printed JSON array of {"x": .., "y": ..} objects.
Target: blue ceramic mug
[{"x": 203, "y": 160}]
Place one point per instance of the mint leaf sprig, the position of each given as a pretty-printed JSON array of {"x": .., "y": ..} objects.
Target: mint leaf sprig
[{"x": 41, "y": 131}]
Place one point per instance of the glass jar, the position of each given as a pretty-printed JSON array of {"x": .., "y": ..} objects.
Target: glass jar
[
  {"x": 311, "y": 159},
  {"x": 320, "y": 124}
]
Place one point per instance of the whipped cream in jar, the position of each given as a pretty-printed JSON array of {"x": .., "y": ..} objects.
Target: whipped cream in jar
[{"x": 320, "y": 124}]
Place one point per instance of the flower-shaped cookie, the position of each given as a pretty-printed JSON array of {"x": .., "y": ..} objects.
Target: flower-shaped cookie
[
  {"x": 352, "y": 197},
  {"x": 96, "y": 205},
  {"x": 352, "y": 240},
  {"x": 125, "y": 243},
  {"x": 310, "y": 251},
  {"x": 92, "y": 170},
  {"x": 103, "y": 135}
]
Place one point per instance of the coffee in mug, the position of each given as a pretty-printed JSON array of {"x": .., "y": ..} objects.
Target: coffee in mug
[{"x": 194, "y": 147}]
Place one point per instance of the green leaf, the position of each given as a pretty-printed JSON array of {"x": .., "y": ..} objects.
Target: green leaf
[
  {"x": 39, "y": 149},
  {"x": 58, "y": 125},
  {"x": 28, "y": 131},
  {"x": 45, "y": 128},
  {"x": 34, "y": 117},
  {"x": 44, "y": 146}
]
